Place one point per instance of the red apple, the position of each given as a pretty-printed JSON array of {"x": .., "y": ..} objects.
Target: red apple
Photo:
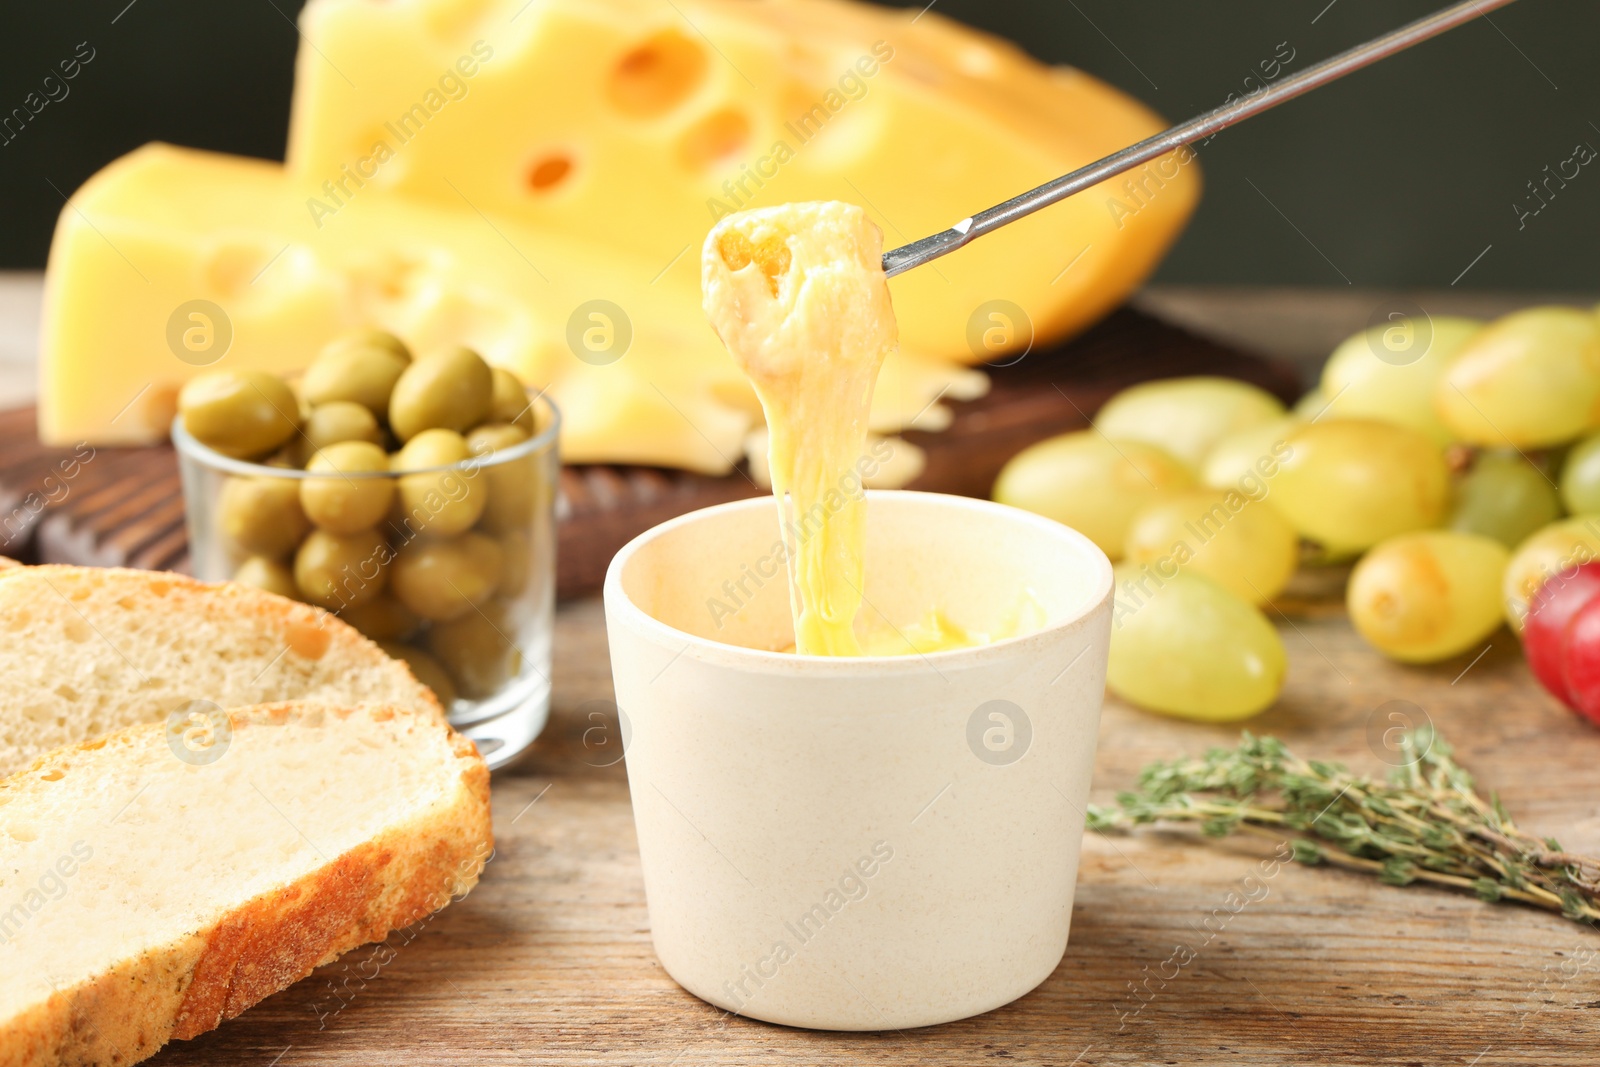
[
  {"x": 1580, "y": 660},
  {"x": 1550, "y": 611}
]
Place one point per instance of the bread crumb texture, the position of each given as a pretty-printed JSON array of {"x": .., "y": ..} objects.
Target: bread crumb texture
[{"x": 84, "y": 651}]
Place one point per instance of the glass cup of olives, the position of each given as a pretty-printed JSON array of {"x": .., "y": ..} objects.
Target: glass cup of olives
[{"x": 411, "y": 496}]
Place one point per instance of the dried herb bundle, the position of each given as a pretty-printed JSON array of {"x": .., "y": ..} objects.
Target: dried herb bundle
[{"x": 1426, "y": 824}]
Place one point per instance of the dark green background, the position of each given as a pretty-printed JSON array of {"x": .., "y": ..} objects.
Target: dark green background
[{"x": 1399, "y": 176}]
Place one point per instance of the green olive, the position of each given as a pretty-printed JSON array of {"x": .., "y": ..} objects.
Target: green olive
[
  {"x": 261, "y": 516},
  {"x": 494, "y": 437},
  {"x": 369, "y": 338},
  {"x": 445, "y": 580},
  {"x": 509, "y": 485},
  {"x": 340, "y": 570},
  {"x": 356, "y": 371},
  {"x": 336, "y": 422},
  {"x": 449, "y": 390},
  {"x": 242, "y": 414},
  {"x": 346, "y": 505},
  {"x": 288, "y": 457},
  {"x": 382, "y": 618},
  {"x": 479, "y": 650},
  {"x": 430, "y": 449},
  {"x": 510, "y": 401},
  {"x": 442, "y": 503},
  {"x": 269, "y": 574},
  {"x": 426, "y": 668}
]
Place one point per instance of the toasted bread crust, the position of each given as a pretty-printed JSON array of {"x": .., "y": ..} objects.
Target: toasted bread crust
[
  {"x": 128, "y": 1012},
  {"x": 8, "y": 564}
]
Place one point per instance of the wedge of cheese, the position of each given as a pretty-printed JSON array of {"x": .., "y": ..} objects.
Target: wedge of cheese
[
  {"x": 166, "y": 234},
  {"x": 639, "y": 123}
]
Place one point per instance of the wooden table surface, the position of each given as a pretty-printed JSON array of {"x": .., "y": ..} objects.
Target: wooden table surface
[{"x": 549, "y": 960}]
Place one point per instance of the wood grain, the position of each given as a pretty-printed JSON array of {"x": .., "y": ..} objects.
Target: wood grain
[{"x": 549, "y": 960}]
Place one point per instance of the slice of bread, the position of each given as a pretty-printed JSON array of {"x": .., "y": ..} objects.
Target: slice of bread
[
  {"x": 88, "y": 650},
  {"x": 159, "y": 881}
]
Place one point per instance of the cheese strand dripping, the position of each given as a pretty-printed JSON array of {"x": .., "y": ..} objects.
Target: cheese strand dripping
[{"x": 798, "y": 295}]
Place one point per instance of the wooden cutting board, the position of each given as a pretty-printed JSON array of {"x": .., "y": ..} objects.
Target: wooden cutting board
[{"x": 124, "y": 506}]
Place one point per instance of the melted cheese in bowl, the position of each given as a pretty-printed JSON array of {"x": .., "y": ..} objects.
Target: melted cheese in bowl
[{"x": 798, "y": 295}]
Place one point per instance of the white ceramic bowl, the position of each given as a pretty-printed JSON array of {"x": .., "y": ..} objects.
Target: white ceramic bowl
[{"x": 859, "y": 844}]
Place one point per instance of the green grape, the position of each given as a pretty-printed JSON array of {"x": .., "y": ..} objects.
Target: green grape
[
  {"x": 1091, "y": 483},
  {"x": 1186, "y": 646},
  {"x": 1580, "y": 477},
  {"x": 1246, "y": 457},
  {"x": 1390, "y": 373},
  {"x": 1528, "y": 380},
  {"x": 1237, "y": 541},
  {"x": 1186, "y": 416},
  {"x": 1349, "y": 483},
  {"x": 1427, "y": 596},
  {"x": 1558, "y": 547},
  {"x": 1504, "y": 497}
]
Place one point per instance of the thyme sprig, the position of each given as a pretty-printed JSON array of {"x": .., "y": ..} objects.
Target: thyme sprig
[{"x": 1427, "y": 823}]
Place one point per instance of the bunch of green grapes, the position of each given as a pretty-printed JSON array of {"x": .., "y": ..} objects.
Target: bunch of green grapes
[
  {"x": 1189, "y": 639},
  {"x": 1439, "y": 455}
]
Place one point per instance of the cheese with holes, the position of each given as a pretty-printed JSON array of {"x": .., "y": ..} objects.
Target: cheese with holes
[
  {"x": 172, "y": 260},
  {"x": 640, "y": 123},
  {"x": 531, "y": 176}
]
